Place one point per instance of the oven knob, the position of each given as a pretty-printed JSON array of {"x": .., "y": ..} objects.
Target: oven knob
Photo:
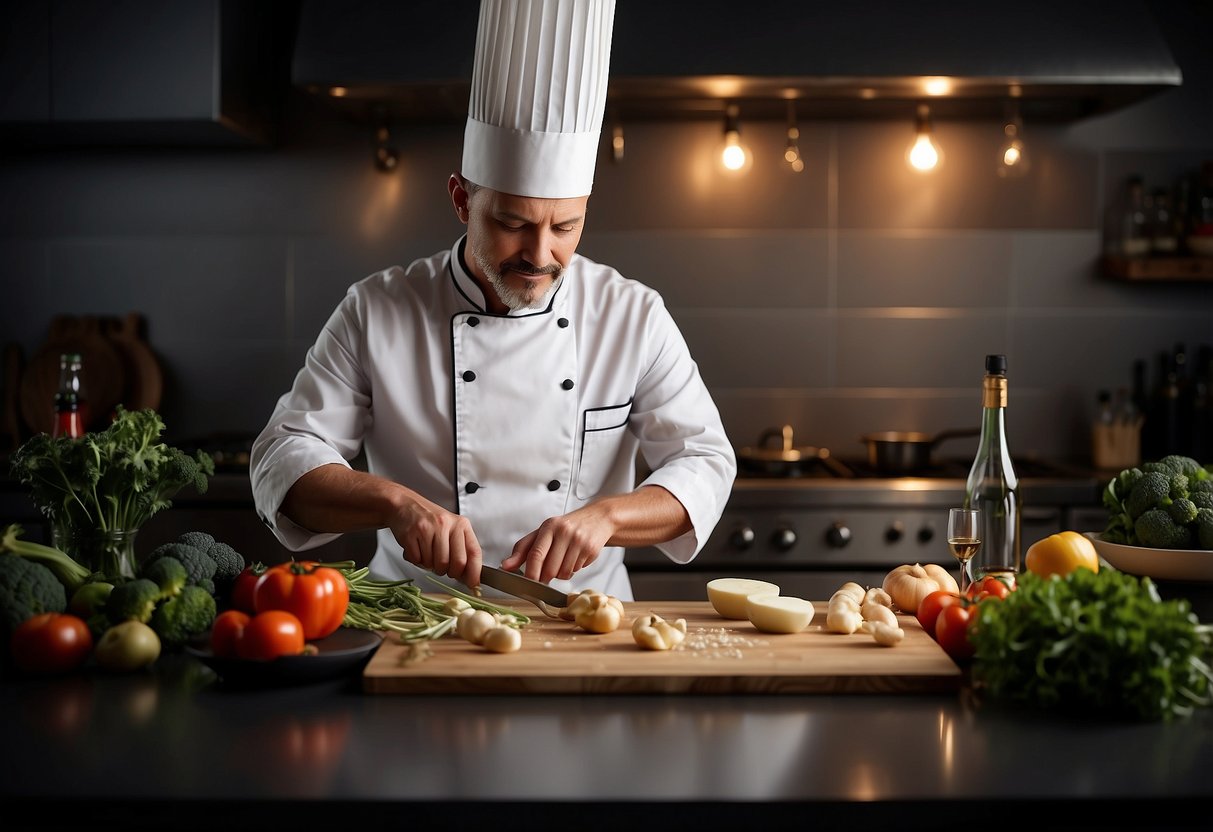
[
  {"x": 838, "y": 535},
  {"x": 784, "y": 538},
  {"x": 742, "y": 537},
  {"x": 894, "y": 532},
  {"x": 926, "y": 534}
]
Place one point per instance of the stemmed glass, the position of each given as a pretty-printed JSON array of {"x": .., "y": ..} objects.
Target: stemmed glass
[{"x": 964, "y": 539}]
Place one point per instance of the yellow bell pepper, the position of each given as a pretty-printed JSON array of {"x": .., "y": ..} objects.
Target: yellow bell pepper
[{"x": 1061, "y": 554}]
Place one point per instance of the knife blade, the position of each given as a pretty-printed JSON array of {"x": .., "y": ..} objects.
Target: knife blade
[{"x": 523, "y": 587}]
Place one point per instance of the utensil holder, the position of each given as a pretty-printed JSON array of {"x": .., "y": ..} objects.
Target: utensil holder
[{"x": 1116, "y": 446}]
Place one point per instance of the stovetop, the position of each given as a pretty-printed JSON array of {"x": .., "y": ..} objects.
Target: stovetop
[{"x": 857, "y": 468}]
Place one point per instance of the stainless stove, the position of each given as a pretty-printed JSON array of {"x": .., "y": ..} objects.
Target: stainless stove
[{"x": 812, "y": 531}]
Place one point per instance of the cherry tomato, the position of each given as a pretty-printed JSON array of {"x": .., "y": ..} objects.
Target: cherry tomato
[
  {"x": 243, "y": 587},
  {"x": 991, "y": 586},
  {"x": 226, "y": 632},
  {"x": 932, "y": 605},
  {"x": 952, "y": 631},
  {"x": 317, "y": 595},
  {"x": 271, "y": 634},
  {"x": 51, "y": 642}
]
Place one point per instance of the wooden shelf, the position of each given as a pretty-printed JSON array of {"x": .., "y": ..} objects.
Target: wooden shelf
[{"x": 1158, "y": 269}]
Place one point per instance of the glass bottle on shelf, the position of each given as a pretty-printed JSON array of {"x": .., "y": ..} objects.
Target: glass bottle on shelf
[
  {"x": 70, "y": 413},
  {"x": 1163, "y": 242},
  {"x": 1134, "y": 233},
  {"x": 992, "y": 486}
]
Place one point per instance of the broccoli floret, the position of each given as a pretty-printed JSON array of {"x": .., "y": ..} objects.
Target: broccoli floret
[
  {"x": 27, "y": 589},
  {"x": 1178, "y": 486},
  {"x": 228, "y": 563},
  {"x": 199, "y": 540},
  {"x": 1185, "y": 465},
  {"x": 1182, "y": 511},
  {"x": 132, "y": 600},
  {"x": 1204, "y": 527},
  {"x": 168, "y": 573},
  {"x": 1152, "y": 490},
  {"x": 184, "y": 616},
  {"x": 1155, "y": 528},
  {"x": 71, "y": 574},
  {"x": 1201, "y": 499},
  {"x": 198, "y": 564},
  {"x": 1166, "y": 465},
  {"x": 1204, "y": 486}
]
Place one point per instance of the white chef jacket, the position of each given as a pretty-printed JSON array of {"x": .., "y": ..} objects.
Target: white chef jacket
[{"x": 505, "y": 419}]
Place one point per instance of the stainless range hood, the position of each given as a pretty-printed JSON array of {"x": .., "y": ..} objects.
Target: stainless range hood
[{"x": 676, "y": 59}]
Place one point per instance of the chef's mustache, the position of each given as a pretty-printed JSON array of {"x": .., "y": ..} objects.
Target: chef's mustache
[{"x": 523, "y": 267}]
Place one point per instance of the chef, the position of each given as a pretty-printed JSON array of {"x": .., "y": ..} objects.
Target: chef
[{"x": 502, "y": 391}]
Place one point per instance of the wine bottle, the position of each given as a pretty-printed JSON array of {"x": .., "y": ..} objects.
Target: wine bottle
[{"x": 992, "y": 486}]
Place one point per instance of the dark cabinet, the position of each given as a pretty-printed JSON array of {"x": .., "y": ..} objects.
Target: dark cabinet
[{"x": 144, "y": 71}]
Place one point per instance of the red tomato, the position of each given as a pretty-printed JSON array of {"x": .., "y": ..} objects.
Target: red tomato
[
  {"x": 317, "y": 595},
  {"x": 932, "y": 605},
  {"x": 226, "y": 632},
  {"x": 243, "y": 587},
  {"x": 952, "y": 631},
  {"x": 271, "y": 634},
  {"x": 991, "y": 586},
  {"x": 51, "y": 642}
]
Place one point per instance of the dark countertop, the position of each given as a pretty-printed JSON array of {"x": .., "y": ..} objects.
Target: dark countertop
[{"x": 174, "y": 748}]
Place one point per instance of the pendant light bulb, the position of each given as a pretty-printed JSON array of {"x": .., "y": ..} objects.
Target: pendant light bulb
[
  {"x": 734, "y": 155},
  {"x": 924, "y": 155},
  {"x": 791, "y": 153},
  {"x": 1013, "y": 158}
]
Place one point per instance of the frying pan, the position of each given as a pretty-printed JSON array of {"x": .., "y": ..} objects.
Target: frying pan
[
  {"x": 782, "y": 457},
  {"x": 907, "y": 452}
]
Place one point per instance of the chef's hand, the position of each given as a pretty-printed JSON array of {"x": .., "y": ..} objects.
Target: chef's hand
[
  {"x": 562, "y": 545},
  {"x": 435, "y": 539}
]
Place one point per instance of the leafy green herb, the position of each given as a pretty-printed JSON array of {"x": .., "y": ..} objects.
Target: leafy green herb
[
  {"x": 111, "y": 480},
  {"x": 1101, "y": 643}
]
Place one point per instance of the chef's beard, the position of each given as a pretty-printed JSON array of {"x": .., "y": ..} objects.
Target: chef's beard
[{"x": 529, "y": 296}]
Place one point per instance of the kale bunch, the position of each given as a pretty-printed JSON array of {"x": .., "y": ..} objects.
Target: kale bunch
[{"x": 111, "y": 480}]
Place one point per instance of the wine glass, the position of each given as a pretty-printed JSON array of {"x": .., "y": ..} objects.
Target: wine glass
[{"x": 964, "y": 539}]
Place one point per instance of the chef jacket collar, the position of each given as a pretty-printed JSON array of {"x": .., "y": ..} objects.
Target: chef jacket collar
[{"x": 467, "y": 286}]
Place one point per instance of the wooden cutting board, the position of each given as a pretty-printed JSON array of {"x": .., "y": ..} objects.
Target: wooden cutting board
[{"x": 719, "y": 656}]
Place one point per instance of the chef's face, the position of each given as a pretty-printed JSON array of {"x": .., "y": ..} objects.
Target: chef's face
[{"x": 520, "y": 246}]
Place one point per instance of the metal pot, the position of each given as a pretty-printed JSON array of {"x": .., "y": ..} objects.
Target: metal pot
[
  {"x": 907, "y": 452},
  {"x": 777, "y": 455}
]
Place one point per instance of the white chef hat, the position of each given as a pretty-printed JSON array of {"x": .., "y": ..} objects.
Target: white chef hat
[{"x": 538, "y": 92}]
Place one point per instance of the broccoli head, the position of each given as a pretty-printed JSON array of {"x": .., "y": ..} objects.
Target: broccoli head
[
  {"x": 27, "y": 588},
  {"x": 228, "y": 562},
  {"x": 168, "y": 573},
  {"x": 184, "y": 616},
  {"x": 1201, "y": 499},
  {"x": 198, "y": 564},
  {"x": 132, "y": 600},
  {"x": 1182, "y": 511},
  {"x": 1155, "y": 528},
  {"x": 1204, "y": 486},
  {"x": 1204, "y": 527},
  {"x": 199, "y": 540},
  {"x": 1151, "y": 491}
]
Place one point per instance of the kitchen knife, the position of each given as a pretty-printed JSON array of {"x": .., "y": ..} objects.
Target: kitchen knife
[{"x": 520, "y": 586}]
